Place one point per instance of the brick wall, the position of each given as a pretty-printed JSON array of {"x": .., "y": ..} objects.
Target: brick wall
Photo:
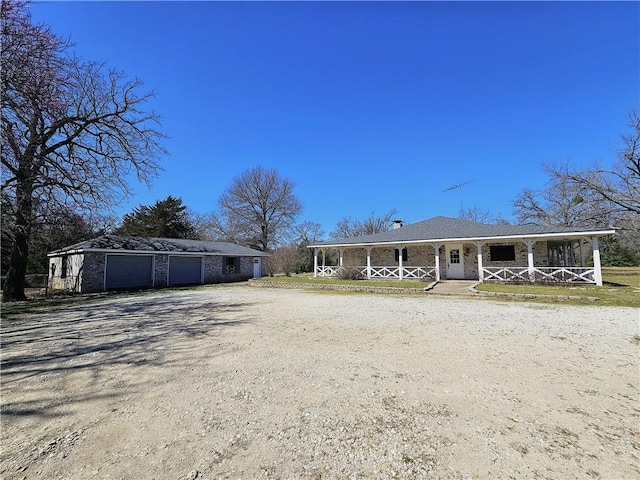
[
  {"x": 424, "y": 255},
  {"x": 215, "y": 272},
  {"x": 161, "y": 270},
  {"x": 417, "y": 256},
  {"x": 93, "y": 272},
  {"x": 212, "y": 268}
]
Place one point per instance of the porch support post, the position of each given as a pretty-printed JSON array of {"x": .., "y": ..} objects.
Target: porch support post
[
  {"x": 581, "y": 253},
  {"x": 573, "y": 254},
  {"x": 399, "y": 247},
  {"x": 315, "y": 262},
  {"x": 530, "y": 264},
  {"x": 597, "y": 269},
  {"x": 436, "y": 246},
  {"x": 480, "y": 272},
  {"x": 341, "y": 259},
  {"x": 369, "y": 262}
]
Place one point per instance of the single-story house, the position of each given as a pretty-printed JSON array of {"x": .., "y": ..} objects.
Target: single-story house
[
  {"x": 121, "y": 262},
  {"x": 450, "y": 248}
]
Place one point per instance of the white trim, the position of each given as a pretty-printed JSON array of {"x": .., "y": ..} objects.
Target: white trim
[
  {"x": 479, "y": 257},
  {"x": 315, "y": 262},
  {"x": 561, "y": 275},
  {"x": 596, "y": 261},
  {"x": 532, "y": 236},
  {"x": 530, "y": 262},
  {"x": 399, "y": 249}
]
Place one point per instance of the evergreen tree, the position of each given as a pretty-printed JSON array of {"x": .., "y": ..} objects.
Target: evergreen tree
[{"x": 167, "y": 218}]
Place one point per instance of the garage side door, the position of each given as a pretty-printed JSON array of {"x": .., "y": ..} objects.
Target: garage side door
[
  {"x": 129, "y": 271},
  {"x": 185, "y": 270}
]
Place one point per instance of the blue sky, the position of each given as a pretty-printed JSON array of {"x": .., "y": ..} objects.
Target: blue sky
[{"x": 370, "y": 106}]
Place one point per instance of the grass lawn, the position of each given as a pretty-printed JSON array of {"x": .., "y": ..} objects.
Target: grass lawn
[
  {"x": 308, "y": 278},
  {"x": 621, "y": 288}
]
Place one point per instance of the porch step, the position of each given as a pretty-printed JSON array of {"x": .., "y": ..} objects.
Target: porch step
[{"x": 453, "y": 287}]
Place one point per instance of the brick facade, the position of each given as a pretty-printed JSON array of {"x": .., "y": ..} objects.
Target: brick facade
[
  {"x": 424, "y": 255},
  {"x": 161, "y": 270},
  {"x": 93, "y": 273}
]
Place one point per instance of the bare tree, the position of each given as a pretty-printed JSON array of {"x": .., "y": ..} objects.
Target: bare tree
[
  {"x": 306, "y": 233},
  {"x": 617, "y": 186},
  {"x": 348, "y": 227},
  {"x": 283, "y": 260},
  {"x": 560, "y": 203},
  {"x": 258, "y": 209},
  {"x": 595, "y": 196},
  {"x": 72, "y": 131},
  {"x": 476, "y": 214}
]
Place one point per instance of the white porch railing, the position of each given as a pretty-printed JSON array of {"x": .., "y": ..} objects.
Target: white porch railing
[
  {"x": 408, "y": 273},
  {"x": 540, "y": 274},
  {"x": 328, "y": 271}
]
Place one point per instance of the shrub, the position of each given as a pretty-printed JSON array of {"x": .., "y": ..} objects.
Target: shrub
[{"x": 350, "y": 273}]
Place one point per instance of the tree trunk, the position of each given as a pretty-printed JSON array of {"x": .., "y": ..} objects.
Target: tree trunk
[{"x": 14, "y": 281}]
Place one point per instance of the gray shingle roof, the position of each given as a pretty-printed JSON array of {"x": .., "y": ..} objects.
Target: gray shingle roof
[
  {"x": 161, "y": 245},
  {"x": 442, "y": 228}
]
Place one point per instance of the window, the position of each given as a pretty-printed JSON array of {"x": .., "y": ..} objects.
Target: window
[
  {"x": 404, "y": 255},
  {"x": 231, "y": 265},
  {"x": 502, "y": 253},
  {"x": 65, "y": 267},
  {"x": 454, "y": 256}
]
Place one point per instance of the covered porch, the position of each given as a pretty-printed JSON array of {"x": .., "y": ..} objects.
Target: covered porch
[{"x": 566, "y": 260}]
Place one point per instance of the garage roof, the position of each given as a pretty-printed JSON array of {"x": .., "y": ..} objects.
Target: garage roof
[{"x": 127, "y": 244}]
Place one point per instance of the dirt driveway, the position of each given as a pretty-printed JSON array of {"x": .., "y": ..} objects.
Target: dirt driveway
[{"x": 241, "y": 382}]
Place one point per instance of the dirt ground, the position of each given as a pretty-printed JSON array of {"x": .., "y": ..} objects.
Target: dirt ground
[{"x": 241, "y": 382}]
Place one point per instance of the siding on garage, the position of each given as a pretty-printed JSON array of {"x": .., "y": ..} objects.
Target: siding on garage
[{"x": 65, "y": 272}]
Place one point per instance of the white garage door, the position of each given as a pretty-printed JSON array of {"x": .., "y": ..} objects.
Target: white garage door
[
  {"x": 129, "y": 271},
  {"x": 185, "y": 270}
]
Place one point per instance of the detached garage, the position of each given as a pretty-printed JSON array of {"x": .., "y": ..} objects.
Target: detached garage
[{"x": 113, "y": 262}]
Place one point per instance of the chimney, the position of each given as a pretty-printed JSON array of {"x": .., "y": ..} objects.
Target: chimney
[{"x": 397, "y": 224}]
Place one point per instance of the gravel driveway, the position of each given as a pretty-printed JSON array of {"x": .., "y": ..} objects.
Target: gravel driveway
[{"x": 241, "y": 382}]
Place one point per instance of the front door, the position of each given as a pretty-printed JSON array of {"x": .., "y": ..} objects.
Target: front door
[
  {"x": 455, "y": 262},
  {"x": 257, "y": 267}
]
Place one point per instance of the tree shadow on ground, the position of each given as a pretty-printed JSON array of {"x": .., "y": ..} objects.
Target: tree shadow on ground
[{"x": 127, "y": 332}]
